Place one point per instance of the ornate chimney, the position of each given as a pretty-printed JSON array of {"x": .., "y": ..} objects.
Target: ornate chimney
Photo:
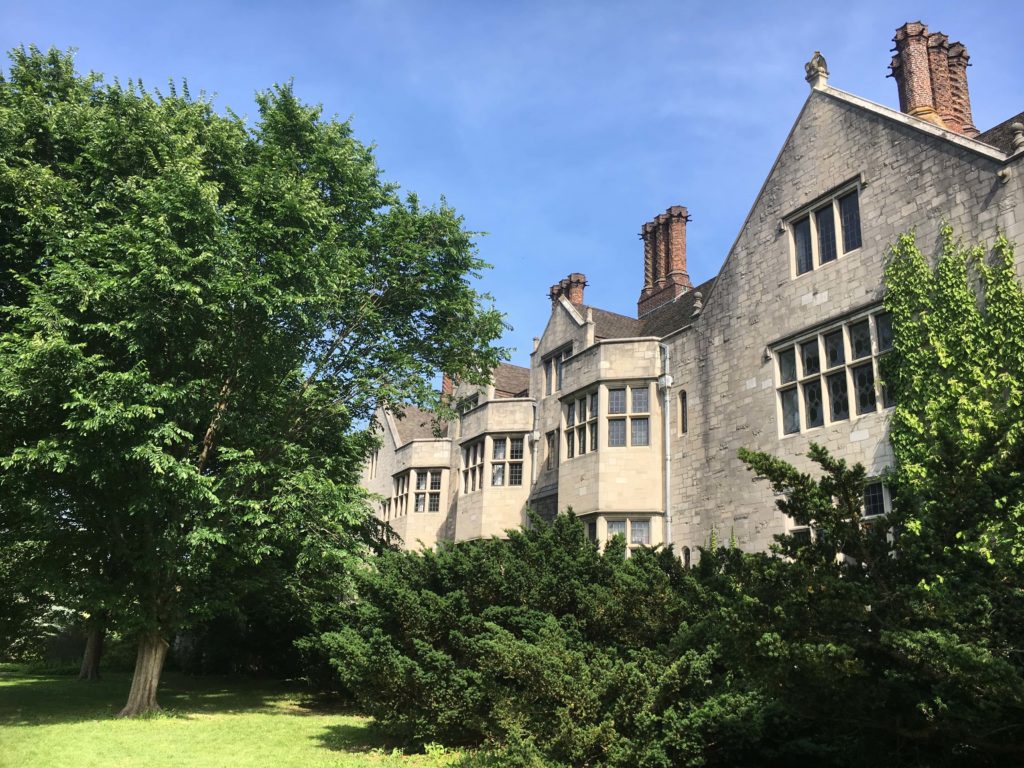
[
  {"x": 571, "y": 287},
  {"x": 931, "y": 75},
  {"x": 665, "y": 275}
]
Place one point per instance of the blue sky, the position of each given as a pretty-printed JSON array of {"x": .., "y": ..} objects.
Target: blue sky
[{"x": 556, "y": 127}]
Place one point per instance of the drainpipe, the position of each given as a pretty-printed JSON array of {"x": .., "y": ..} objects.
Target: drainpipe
[
  {"x": 665, "y": 385},
  {"x": 534, "y": 448}
]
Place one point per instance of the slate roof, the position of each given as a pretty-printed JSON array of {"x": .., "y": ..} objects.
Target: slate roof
[
  {"x": 610, "y": 325},
  {"x": 1000, "y": 136},
  {"x": 413, "y": 423},
  {"x": 676, "y": 313},
  {"x": 511, "y": 381}
]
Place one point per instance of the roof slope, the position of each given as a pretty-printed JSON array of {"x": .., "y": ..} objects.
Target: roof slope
[
  {"x": 1000, "y": 136},
  {"x": 511, "y": 380},
  {"x": 611, "y": 325},
  {"x": 412, "y": 423}
]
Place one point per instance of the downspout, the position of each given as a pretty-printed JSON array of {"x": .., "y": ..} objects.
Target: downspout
[
  {"x": 665, "y": 385},
  {"x": 534, "y": 449}
]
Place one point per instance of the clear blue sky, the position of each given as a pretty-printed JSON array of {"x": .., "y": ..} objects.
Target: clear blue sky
[{"x": 556, "y": 127}]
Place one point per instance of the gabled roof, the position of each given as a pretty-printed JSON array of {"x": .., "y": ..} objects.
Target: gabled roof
[
  {"x": 511, "y": 381},
  {"x": 412, "y": 423},
  {"x": 1000, "y": 136}
]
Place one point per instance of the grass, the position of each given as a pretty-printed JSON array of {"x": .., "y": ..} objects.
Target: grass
[{"x": 54, "y": 721}]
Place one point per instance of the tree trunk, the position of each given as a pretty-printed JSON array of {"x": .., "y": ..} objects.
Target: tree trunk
[
  {"x": 148, "y": 664},
  {"x": 93, "y": 652}
]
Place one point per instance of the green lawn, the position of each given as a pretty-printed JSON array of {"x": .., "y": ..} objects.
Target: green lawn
[{"x": 54, "y": 721}]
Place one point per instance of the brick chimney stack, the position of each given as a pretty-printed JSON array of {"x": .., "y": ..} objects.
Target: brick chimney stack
[
  {"x": 931, "y": 75},
  {"x": 571, "y": 287},
  {"x": 665, "y": 275}
]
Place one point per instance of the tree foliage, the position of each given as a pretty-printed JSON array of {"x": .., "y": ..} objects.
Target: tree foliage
[
  {"x": 197, "y": 316},
  {"x": 892, "y": 642}
]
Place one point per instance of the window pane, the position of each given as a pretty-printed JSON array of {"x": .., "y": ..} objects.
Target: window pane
[
  {"x": 616, "y": 528},
  {"x": 684, "y": 417},
  {"x": 421, "y": 501},
  {"x": 616, "y": 432},
  {"x": 802, "y": 536},
  {"x": 860, "y": 340},
  {"x": 810, "y": 357},
  {"x": 787, "y": 366},
  {"x": 849, "y": 214},
  {"x": 561, "y": 370},
  {"x": 499, "y": 449},
  {"x": 549, "y": 383},
  {"x": 640, "y": 532},
  {"x": 874, "y": 500},
  {"x": 552, "y": 449},
  {"x": 616, "y": 401},
  {"x": 593, "y": 436},
  {"x": 498, "y": 474},
  {"x": 570, "y": 414},
  {"x": 435, "y": 481},
  {"x": 790, "y": 412},
  {"x": 838, "y": 397},
  {"x": 515, "y": 474},
  {"x": 864, "y": 383},
  {"x": 835, "y": 354},
  {"x": 581, "y": 438},
  {"x": 570, "y": 444},
  {"x": 435, "y": 502},
  {"x": 421, "y": 481},
  {"x": 593, "y": 405},
  {"x": 888, "y": 401},
  {"x": 812, "y": 404},
  {"x": 582, "y": 406},
  {"x": 641, "y": 400},
  {"x": 515, "y": 448},
  {"x": 802, "y": 244},
  {"x": 592, "y": 530},
  {"x": 883, "y": 327},
  {"x": 640, "y": 432},
  {"x": 825, "y": 222}
]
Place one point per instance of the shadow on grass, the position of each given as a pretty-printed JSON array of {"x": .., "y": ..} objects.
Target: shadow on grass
[
  {"x": 39, "y": 699},
  {"x": 355, "y": 738}
]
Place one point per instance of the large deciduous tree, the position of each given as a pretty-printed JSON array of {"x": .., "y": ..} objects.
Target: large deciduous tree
[{"x": 198, "y": 314}]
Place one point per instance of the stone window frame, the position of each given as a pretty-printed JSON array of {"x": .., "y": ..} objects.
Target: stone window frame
[
  {"x": 826, "y": 243},
  {"x": 628, "y": 520},
  {"x": 400, "y": 493},
  {"x": 510, "y": 462},
  {"x": 473, "y": 466},
  {"x": 428, "y": 490},
  {"x": 553, "y": 365},
  {"x": 581, "y": 415},
  {"x": 628, "y": 416},
  {"x": 799, "y": 385}
]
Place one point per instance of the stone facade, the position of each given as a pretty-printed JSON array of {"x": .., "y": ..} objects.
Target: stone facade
[{"x": 635, "y": 423}]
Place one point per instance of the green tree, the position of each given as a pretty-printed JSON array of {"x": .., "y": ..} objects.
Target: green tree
[{"x": 198, "y": 316}]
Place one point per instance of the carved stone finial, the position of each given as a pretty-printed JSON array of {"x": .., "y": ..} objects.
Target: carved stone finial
[
  {"x": 816, "y": 71},
  {"x": 1018, "y": 136}
]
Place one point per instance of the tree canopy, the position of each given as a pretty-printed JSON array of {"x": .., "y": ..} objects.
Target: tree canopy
[{"x": 199, "y": 316}]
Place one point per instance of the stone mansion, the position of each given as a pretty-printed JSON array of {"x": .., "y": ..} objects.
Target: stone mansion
[{"x": 634, "y": 422}]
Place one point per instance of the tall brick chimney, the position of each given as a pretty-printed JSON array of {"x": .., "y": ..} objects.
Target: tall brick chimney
[
  {"x": 665, "y": 275},
  {"x": 931, "y": 75},
  {"x": 571, "y": 287}
]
